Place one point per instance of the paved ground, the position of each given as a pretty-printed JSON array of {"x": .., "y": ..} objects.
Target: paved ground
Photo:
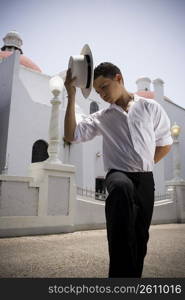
[{"x": 85, "y": 254}]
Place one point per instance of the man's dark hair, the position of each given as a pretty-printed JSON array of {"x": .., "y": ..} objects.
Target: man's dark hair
[{"x": 106, "y": 69}]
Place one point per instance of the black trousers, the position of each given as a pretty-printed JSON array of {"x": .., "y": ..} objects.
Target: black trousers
[{"x": 128, "y": 211}]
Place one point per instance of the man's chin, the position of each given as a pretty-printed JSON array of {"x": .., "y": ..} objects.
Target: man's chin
[{"x": 111, "y": 101}]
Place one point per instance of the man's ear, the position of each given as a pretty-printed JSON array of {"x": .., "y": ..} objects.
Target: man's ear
[{"x": 119, "y": 78}]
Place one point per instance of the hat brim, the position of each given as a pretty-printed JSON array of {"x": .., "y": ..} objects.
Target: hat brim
[{"x": 87, "y": 52}]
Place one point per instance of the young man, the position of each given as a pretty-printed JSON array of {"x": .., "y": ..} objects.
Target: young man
[{"x": 136, "y": 134}]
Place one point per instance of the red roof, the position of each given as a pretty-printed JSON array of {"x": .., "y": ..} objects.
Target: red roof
[
  {"x": 25, "y": 61},
  {"x": 146, "y": 94}
]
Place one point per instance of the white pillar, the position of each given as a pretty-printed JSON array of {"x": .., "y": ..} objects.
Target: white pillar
[
  {"x": 175, "y": 131},
  {"x": 158, "y": 89},
  {"x": 176, "y": 160},
  {"x": 143, "y": 84},
  {"x": 177, "y": 184},
  {"x": 56, "y": 85},
  {"x": 54, "y": 132}
]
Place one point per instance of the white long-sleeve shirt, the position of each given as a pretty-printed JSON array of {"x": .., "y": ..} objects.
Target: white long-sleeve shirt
[{"x": 129, "y": 138}]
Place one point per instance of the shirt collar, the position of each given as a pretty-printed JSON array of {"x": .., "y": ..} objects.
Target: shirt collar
[{"x": 115, "y": 106}]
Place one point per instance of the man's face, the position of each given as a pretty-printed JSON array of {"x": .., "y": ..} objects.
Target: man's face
[{"x": 109, "y": 89}]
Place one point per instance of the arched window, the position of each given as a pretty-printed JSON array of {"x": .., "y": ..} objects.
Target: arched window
[
  {"x": 39, "y": 151},
  {"x": 93, "y": 107}
]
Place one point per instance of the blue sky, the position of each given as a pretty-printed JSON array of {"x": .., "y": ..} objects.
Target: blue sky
[{"x": 142, "y": 37}]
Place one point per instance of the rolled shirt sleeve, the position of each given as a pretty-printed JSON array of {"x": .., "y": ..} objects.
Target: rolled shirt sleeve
[
  {"x": 161, "y": 126},
  {"x": 86, "y": 129}
]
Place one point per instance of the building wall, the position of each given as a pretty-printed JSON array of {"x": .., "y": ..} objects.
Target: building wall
[
  {"x": 176, "y": 114},
  {"x": 6, "y": 78},
  {"x": 29, "y": 118},
  {"x": 159, "y": 177},
  {"x": 36, "y": 84},
  {"x": 92, "y": 162}
]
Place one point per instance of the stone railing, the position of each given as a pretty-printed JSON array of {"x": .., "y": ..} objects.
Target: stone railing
[
  {"x": 160, "y": 199},
  {"x": 91, "y": 194}
]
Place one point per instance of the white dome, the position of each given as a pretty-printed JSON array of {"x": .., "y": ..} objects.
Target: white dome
[{"x": 12, "y": 39}]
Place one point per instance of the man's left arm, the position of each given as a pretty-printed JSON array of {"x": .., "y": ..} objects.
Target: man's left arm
[{"x": 160, "y": 152}]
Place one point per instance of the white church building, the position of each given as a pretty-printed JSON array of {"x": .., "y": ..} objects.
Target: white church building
[{"x": 25, "y": 111}]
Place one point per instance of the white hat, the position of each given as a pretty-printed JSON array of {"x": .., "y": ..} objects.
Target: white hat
[{"x": 82, "y": 68}]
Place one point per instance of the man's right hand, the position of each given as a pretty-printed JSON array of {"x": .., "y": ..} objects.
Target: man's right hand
[{"x": 69, "y": 84}]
